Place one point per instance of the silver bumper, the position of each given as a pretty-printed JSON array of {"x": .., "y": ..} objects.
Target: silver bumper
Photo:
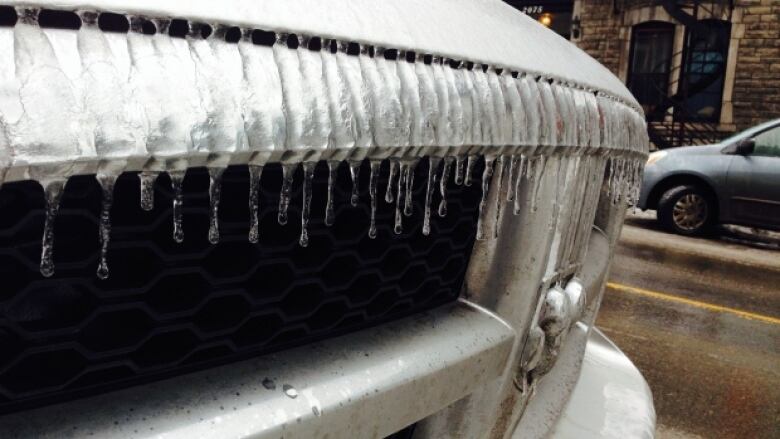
[
  {"x": 368, "y": 384},
  {"x": 611, "y": 398}
]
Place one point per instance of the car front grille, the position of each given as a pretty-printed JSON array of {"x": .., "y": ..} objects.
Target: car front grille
[{"x": 170, "y": 308}]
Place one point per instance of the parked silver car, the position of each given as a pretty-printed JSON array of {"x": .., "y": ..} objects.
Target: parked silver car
[{"x": 736, "y": 181}]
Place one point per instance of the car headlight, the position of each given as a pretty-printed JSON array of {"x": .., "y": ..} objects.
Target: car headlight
[{"x": 654, "y": 157}]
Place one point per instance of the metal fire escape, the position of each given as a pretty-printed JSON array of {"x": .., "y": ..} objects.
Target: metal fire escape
[{"x": 674, "y": 120}]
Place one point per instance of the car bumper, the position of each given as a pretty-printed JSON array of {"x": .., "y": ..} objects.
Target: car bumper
[
  {"x": 652, "y": 175},
  {"x": 611, "y": 398},
  {"x": 368, "y": 384}
]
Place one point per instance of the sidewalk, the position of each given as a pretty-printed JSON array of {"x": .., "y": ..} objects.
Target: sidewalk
[{"x": 753, "y": 256}]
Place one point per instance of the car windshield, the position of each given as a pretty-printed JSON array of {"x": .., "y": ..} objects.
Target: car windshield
[{"x": 750, "y": 132}]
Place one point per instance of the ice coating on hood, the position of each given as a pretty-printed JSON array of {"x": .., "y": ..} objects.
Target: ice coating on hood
[
  {"x": 34, "y": 131},
  {"x": 261, "y": 102},
  {"x": 489, "y": 31},
  {"x": 219, "y": 74},
  {"x": 216, "y": 90},
  {"x": 113, "y": 116},
  {"x": 222, "y": 94}
]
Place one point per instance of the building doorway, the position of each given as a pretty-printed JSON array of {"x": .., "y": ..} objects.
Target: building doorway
[{"x": 650, "y": 61}]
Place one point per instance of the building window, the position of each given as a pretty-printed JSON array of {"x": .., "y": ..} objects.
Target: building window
[
  {"x": 705, "y": 68},
  {"x": 650, "y": 62}
]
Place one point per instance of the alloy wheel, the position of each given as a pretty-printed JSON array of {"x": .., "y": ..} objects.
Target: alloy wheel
[{"x": 690, "y": 212}]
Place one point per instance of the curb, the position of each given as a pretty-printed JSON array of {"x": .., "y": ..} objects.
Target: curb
[{"x": 702, "y": 256}]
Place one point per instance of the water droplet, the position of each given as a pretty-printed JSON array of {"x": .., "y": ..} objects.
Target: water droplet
[
  {"x": 107, "y": 185},
  {"x": 53, "y": 192},
  {"x": 372, "y": 189},
  {"x": 445, "y": 176},
  {"x": 215, "y": 191},
  {"x": 177, "y": 183},
  {"x": 308, "y": 176},
  {"x": 269, "y": 384},
  {"x": 255, "y": 173},
  {"x": 472, "y": 161},
  {"x": 487, "y": 175},
  {"x": 290, "y": 391},
  {"x": 147, "y": 189},
  {"x": 354, "y": 172},
  {"x": 330, "y": 213},
  {"x": 288, "y": 173},
  {"x": 390, "y": 178},
  {"x": 433, "y": 165},
  {"x": 459, "y": 170}
]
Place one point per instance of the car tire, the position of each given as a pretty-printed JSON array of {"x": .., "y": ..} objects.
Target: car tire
[{"x": 686, "y": 210}]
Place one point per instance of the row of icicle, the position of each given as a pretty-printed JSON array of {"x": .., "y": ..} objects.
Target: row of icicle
[
  {"x": 625, "y": 175},
  {"x": 137, "y": 95}
]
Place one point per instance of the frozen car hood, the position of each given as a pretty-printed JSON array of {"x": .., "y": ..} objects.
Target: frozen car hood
[
  {"x": 488, "y": 31},
  {"x": 73, "y": 101},
  {"x": 248, "y": 82}
]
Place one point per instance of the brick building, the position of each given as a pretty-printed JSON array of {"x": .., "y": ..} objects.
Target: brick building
[{"x": 701, "y": 69}]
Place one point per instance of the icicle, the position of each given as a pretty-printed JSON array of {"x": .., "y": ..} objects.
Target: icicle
[
  {"x": 288, "y": 173},
  {"x": 618, "y": 181},
  {"x": 147, "y": 189},
  {"x": 308, "y": 176},
  {"x": 53, "y": 191},
  {"x": 487, "y": 175},
  {"x": 500, "y": 189},
  {"x": 255, "y": 173},
  {"x": 354, "y": 171},
  {"x": 333, "y": 172},
  {"x": 107, "y": 184},
  {"x": 373, "y": 181},
  {"x": 393, "y": 170},
  {"x": 177, "y": 183},
  {"x": 510, "y": 190},
  {"x": 637, "y": 181},
  {"x": 403, "y": 176},
  {"x": 433, "y": 165},
  {"x": 409, "y": 188},
  {"x": 538, "y": 174},
  {"x": 445, "y": 176},
  {"x": 215, "y": 191},
  {"x": 459, "y": 170},
  {"x": 472, "y": 161},
  {"x": 522, "y": 174},
  {"x": 610, "y": 168}
]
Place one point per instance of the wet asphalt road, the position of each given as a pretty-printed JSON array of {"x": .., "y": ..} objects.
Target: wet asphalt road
[{"x": 705, "y": 332}]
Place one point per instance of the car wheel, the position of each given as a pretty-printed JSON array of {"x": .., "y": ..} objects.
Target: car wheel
[{"x": 687, "y": 210}]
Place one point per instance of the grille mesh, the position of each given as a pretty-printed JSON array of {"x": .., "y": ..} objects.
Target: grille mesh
[{"x": 169, "y": 308}]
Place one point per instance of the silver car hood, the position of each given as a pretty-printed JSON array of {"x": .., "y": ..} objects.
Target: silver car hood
[
  {"x": 696, "y": 150},
  {"x": 86, "y": 101}
]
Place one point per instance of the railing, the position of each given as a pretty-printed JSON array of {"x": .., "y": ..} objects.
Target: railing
[{"x": 671, "y": 122}]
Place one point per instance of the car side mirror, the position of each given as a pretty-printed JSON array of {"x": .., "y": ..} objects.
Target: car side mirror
[{"x": 745, "y": 147}]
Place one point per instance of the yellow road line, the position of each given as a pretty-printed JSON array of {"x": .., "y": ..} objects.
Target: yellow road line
[{"x": 695, "y": 303}]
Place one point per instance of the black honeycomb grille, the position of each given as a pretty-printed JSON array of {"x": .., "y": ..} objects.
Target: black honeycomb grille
[{"x": 170, "y": 308}]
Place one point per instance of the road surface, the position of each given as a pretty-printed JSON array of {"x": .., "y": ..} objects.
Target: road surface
[{"x": 701, "y": 319}]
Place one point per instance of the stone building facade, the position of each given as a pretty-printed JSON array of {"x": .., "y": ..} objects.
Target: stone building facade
[
  {"x": 701, "y": 68},
  {"x": 747, "y": 92}
]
